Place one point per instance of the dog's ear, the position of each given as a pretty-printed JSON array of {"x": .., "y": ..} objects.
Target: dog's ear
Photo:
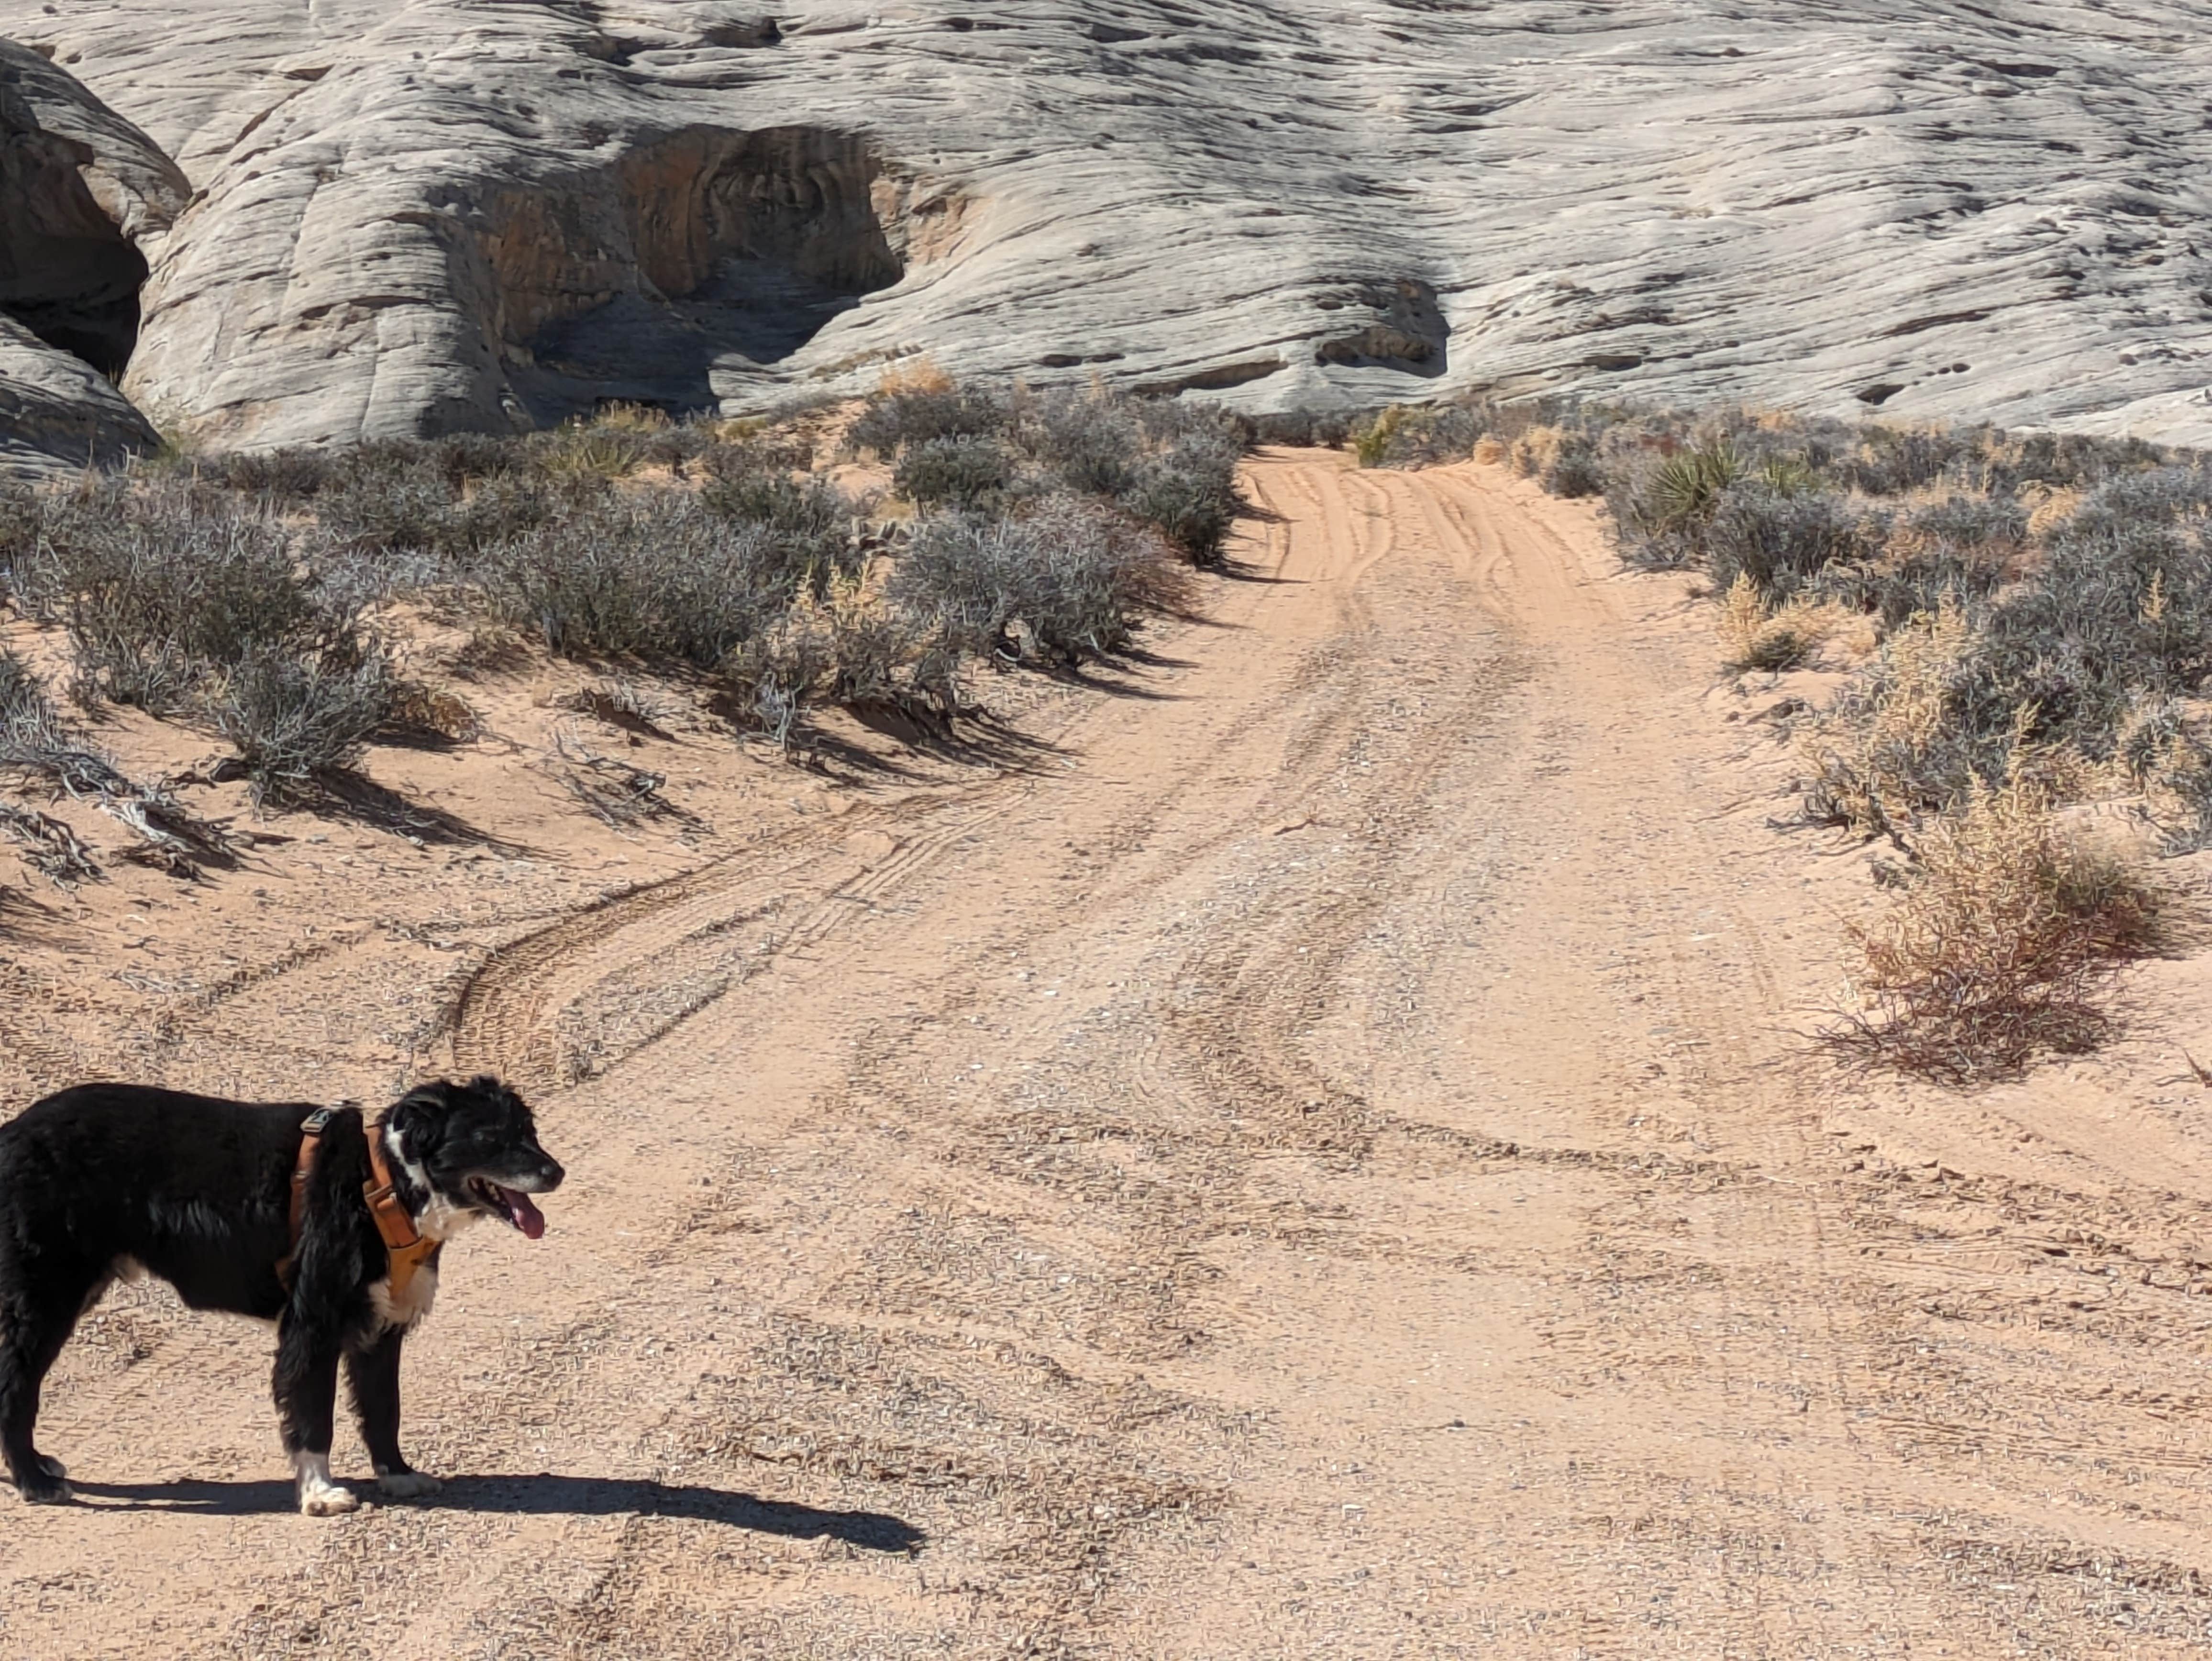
[{"x": 417, "y": 1120}]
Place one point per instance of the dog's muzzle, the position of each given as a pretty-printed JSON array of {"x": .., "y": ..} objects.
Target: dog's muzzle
[{"x": 514, "y": 1204}]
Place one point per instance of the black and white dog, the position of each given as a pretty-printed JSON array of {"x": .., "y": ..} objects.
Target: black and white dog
[{"x": 111, "y": 1180}]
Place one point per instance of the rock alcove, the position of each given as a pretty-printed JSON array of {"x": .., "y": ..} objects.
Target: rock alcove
[
  {"x": 67, "y": 272},
  {"x": 693, "y": 263}
]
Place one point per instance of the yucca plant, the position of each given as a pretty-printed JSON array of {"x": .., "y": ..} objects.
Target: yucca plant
[{"x": 1687, "y": 488}]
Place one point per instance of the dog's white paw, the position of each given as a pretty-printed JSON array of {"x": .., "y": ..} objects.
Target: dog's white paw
[
  {"x": 318, "y": 1495},
  {"x": 408, "y": 1484},
  {"x": 328, "y": 1500}
]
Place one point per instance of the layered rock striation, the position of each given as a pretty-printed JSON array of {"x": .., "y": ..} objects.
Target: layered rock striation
[{"x": 416, "y": 217}]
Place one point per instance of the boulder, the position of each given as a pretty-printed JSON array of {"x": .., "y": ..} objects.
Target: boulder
[{"x": 58, "y": 414}]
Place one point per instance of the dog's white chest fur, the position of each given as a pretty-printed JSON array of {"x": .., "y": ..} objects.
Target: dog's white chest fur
[
  {"x": 404, "y": 1311},
  {"x": 439, "y": 1219}
]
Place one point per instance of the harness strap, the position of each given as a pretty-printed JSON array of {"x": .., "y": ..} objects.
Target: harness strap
[
  {"x": 311, "y": 1134},
  {"x": 405, "y": 1249}
]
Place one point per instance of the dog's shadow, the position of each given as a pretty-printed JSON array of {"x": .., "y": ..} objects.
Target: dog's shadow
[{"x": 540, "y": 1496}]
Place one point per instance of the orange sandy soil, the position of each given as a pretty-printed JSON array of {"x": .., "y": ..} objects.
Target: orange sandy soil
[{"x": 1312, "y": 1150}]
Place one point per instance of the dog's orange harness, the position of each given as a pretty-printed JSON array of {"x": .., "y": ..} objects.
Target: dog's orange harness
[{"x": 406, "y": 1250}]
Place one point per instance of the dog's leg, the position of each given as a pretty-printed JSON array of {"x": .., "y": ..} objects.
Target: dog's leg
[
  {"x": 32, "y": 1333},
  {"x": 373, "y": 1375},
  {"x": 307, "y": 1389}
]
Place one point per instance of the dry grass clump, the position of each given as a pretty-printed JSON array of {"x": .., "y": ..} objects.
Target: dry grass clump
[
  {"x": 1756, "y": 636},
  {"x": 1893, "y": 747},
  {"x": 615, "y": 793},
  {"x": 624, "y": 703},
  {"x": 2001, "y": 943},
  {"x": 914, "y": 375}
]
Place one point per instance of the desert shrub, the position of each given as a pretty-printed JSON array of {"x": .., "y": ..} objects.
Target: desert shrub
[
  {"x": 742, "y": 454},
  {"x": 287, "y": 475},
  {"x": 407, "y": 508},
  {"x": 1070, "y": 577},
  {"x": 2000, "y": 942},
  {"x": 1575, "y": 469},
  {"x": 293, "y": 715},
  {"x": 460, "y": 459},
  {"x": 1660, "y": 498},
  {"x": 846, "y": 648},
  {"x": 594, "y": 449},
  {"x": 968, "y": 472},
  {"x": 1305, "y": 429},
  {"x": 1420, "y": 435},
  {"x": 153, "y": 585},
  {"x": 22, "y": 522},
  {"x": 1168, "y": 464},
  {"x": 1372, "y": 440},
  {"x": 1436, "y": 435},
  {"x": 181, "y": 603},
  {"x": 1102, "y": 572},
  {"x": 808, "y": 525},
  {"x": 303, "y": 473},
  {"x": 2006, "y": 462},
  {"x": 656, "y": 574},
  {"x": 1892, "y": 461},
  {"x": 2169, "y": 758},
  {"x": 1909, "y": 736},
  {"x": 1640, "y": 539},
  {"x": 966, "y": 575},
  {"x": 1779, "y": 542},
  {"x": 1964, "y": 546},
  {"x": 422, "y": 505},
  {"x": 502, "y": 506},
  {"x": 2120, "y": 610},
  {"x": 30, "y": 725},
  {"x": 1962, "y": 523},
  {"x": 1687, "y": 489},
  {"x": 920, "y": 416},
  {"x": 676, "y": 447},
  {"x": 1090, "y": 444},
  {"x": 1187, "y": 491}
]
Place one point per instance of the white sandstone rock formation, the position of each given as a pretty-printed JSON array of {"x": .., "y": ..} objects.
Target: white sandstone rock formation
[
  {"x": 416, "y": 216},
  {"x": 83, "y": 194}
]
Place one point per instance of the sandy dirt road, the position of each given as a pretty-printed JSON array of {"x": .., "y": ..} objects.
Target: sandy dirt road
[{"x": 1319, "y": 1162}]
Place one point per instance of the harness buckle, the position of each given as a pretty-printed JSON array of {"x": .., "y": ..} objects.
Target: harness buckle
[{"x": 318, "y": 1121}]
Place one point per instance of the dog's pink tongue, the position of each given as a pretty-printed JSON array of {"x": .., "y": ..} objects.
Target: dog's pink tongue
[{"x": 524, "y": 1215}]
